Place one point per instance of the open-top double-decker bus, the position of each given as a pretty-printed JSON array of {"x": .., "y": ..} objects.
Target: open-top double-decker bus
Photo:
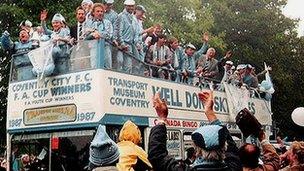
[{"x": 55, "y": 118}]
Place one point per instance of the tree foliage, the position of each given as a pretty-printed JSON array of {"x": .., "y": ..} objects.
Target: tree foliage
[{"x": 257, "y": 32}]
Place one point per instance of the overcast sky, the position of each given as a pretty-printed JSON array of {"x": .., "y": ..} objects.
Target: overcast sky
[{"x": 295, "y": 9}]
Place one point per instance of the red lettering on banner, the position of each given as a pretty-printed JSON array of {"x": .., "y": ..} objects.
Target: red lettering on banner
[{"x": 179, "y": 123}]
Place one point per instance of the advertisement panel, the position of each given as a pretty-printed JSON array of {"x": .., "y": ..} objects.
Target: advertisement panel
[{"x": 85, "y": 97}]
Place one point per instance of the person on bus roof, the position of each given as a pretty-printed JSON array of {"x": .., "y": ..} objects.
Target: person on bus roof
[
  {"x": 60, "y": 35},
  {"x": 132, "y": 157},
  {"x": 110, "y": 14},
  {"x": 207, "y": 65},
  {"x": 190, "y": 55},
  {"x": 21, "y": 61},
  {"x": 159, "y": 55},
  {"x": 104, "y": 152},
  {"x": 176, "y": 54},
  {"x": 126, "y": 37},
  {"x": 100, "y": 28},
  {"x": 215, "y": 148}
]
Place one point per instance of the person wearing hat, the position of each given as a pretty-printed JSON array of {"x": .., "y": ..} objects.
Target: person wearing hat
[
  {"x": 87, "y": 6},
  {"x": 27, "y": 25},
  {"x": 61, "y": 38},
  {"x": 104, "y": 153},
  {"x": 188, "y": 70},
  {"x": 216, "y": 150},
  {"x": 248, "y": 78},
  {"x": 100, "y": 28},
  {"x": 222, "y": 63},
  {"x": 132, "y": 157},
  {"x": 110, "y": 14},
  {"x": 21, "y": 62},
  {"x": 228, "y": 71},
  {"x": 126, "y": 37}
]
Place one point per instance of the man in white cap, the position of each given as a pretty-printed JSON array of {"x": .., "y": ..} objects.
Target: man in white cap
[
  {"x": 61, "y": 38},
  {"x": 27, "y": 25},
  {"x": 228, "y": 71},
  {"x": 126, "y": 37},
  {"x": 87, "y": 5},
  {"x": 110, "y": 14},
  {"x": 190, "y": 55}
]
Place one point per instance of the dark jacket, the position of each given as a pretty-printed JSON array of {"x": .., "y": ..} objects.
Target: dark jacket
[
  {"x": 161, "y": 161},
  {"x": 73, "y": 32}
]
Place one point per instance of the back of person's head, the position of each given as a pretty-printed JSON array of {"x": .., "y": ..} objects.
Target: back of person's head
[
  {"x": 210, "y": 142},
  {"x": 103, "y": 150},
  {"x": 297, "y": 148},
  {"x": 130, "y": 132},
  {"x": 249, "y": 155}
]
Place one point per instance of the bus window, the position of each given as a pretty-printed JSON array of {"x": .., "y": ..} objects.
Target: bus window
[
  {"x": 35, "y": 146},
  {"x": 70, "y": 150},
  {"x": 174, "y": 143},
  {"x": 72, "y": 153}
]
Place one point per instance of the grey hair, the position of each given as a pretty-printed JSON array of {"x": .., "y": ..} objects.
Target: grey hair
[{"x": 218, "y": 154}]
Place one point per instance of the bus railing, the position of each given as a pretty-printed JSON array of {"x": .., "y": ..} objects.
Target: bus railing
[{"x": 86, "y": 55}]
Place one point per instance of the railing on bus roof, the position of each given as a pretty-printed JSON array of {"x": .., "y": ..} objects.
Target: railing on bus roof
[{"x": 92, "y": 54}]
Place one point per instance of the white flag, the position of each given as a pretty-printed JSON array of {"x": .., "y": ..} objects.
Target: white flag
[{"x": 41, "y": 58}]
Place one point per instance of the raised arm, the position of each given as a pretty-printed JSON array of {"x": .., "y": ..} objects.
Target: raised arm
[
  {"x": 6, "y": 42},
  {"x": 204, "y": 48},
  {"x": 158, "y": 154},
  {"x": 231, "y": 154}
]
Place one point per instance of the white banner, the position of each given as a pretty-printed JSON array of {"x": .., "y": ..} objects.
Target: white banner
[
  {"x": 238, "y": 99},
  {"x": 41, "y": 57}
]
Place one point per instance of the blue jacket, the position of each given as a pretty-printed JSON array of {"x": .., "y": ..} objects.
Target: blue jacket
[
  {"x": 111, "y": 16},
  {"x": 125, "y": 29},
  {"x": 104, "y": 27}
]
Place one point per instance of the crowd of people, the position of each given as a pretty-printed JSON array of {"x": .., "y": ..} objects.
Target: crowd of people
[
  {"x": 124, "y": 31},
  {"x": 213, "y": 148}
]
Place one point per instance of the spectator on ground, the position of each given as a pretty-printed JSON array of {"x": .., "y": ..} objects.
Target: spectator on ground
[
  {"x": 191, "y": 156},
  {"x": 294, "y": 157},
  {"x": 132, "y": 157},
  {"x": 215, "y": 147},
  {"x": 104, "y": 152},
  {"x": 250, "y": 154}
]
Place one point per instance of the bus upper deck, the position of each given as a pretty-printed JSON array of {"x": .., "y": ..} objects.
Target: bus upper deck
[{"x": 52, "y": 116}]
